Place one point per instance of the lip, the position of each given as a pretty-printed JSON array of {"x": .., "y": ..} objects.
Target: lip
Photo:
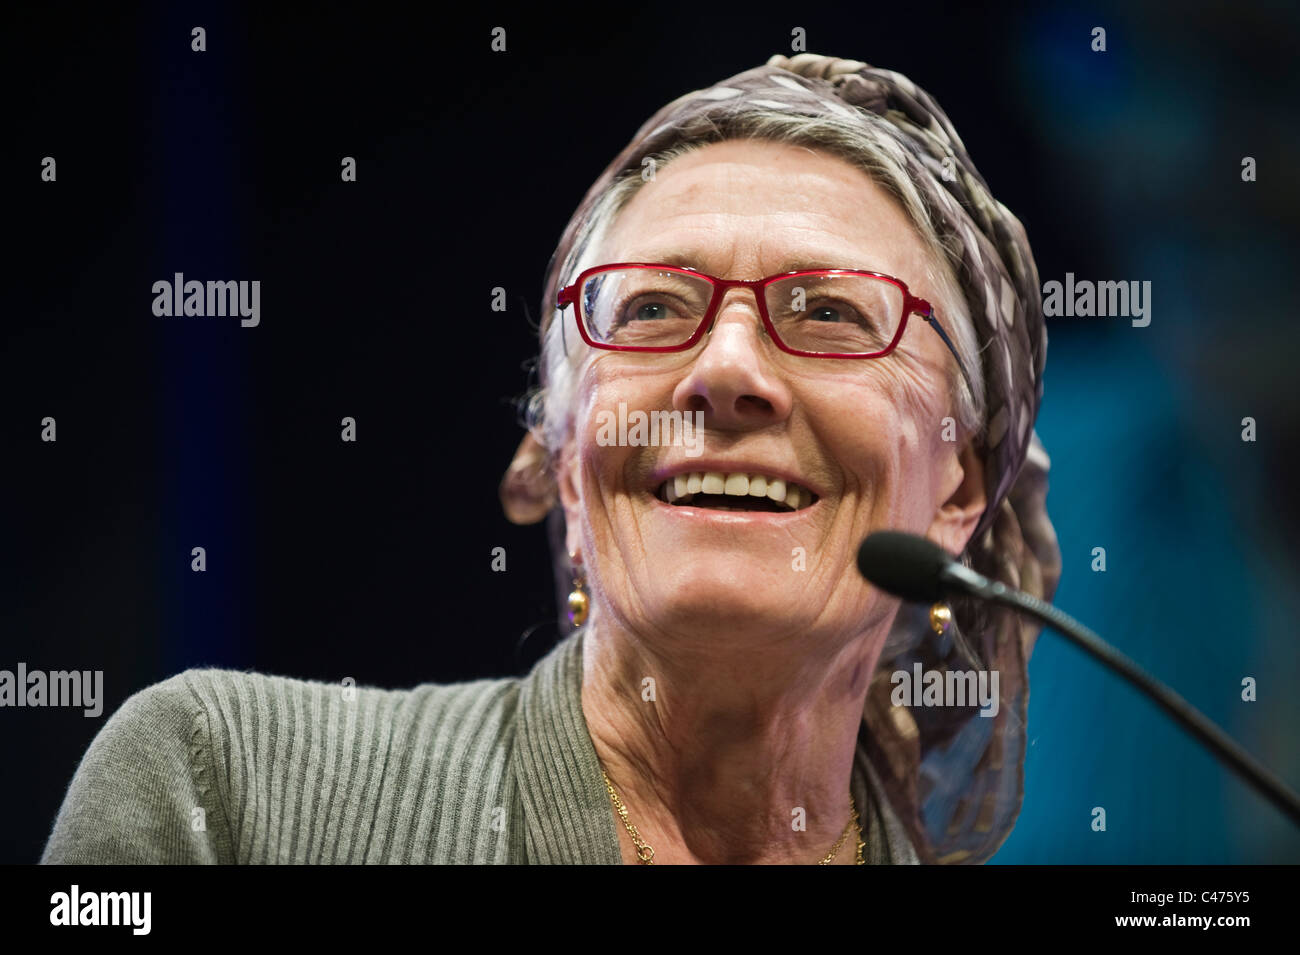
[
  {"x": 688, "y": 513},
  {"x": 733, "y": 467}
]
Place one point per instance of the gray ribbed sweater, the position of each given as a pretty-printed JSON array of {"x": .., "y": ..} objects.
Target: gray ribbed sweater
[{"x": 220, "y": 766}]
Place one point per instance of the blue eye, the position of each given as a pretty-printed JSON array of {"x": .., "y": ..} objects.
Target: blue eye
[
  {"x": 838, "y": 315},
  {"x": 825, "y": 314}
]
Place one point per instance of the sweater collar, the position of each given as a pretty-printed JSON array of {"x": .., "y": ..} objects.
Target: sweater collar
[{"x": 565, "y": 814}]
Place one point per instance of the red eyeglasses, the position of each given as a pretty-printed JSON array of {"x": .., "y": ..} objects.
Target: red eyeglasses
[{"x": 815, "y": 313}]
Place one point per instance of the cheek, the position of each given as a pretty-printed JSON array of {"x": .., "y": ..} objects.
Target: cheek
[
  {"x": 879, "y": 426},
  {"x": 604, "y": 388}
]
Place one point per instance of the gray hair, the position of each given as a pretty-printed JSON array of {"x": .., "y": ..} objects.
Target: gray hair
[{"x": 548, "y": 408}]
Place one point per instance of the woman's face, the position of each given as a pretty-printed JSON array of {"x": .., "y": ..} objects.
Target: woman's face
[{"x": 865, "y": 436}]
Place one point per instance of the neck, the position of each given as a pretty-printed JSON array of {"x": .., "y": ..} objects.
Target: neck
[{"x": 734, "y": 754}]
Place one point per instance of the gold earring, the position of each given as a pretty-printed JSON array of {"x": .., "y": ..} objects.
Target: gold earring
[
  {"x": 940, "y": 617},
  {"x": 578, "y": 602}
]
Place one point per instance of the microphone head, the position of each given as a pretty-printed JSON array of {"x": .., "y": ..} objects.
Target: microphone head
[{"x": 904, "y": 565}]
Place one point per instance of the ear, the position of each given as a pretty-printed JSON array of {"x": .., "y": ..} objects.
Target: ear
[
  {"x": 962, "y": 499},
  {"x": 566, "y": 481},
  {"x": 528, "y": 489}
]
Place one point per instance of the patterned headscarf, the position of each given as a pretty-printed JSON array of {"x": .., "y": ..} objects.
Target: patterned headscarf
[{"x": 955, "y": 778}]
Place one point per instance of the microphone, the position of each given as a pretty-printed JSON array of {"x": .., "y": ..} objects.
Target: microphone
[{"x": 920, "y": 571}]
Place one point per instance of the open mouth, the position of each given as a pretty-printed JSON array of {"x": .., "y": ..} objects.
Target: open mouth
[{"x": 735, "y": 492}]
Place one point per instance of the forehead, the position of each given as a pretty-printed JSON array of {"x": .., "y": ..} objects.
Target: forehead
[{"x": 761, "y": 208}]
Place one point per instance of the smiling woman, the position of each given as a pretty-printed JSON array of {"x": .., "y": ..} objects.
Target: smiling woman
[
  {"x": 854, "y": 336},
  {"x": 763, "y": 274}
]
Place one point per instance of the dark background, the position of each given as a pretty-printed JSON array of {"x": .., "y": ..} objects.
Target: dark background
[{"x": 373, "y": 560}]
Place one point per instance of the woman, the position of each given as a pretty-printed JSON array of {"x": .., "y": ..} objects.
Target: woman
[{"x": 799, "y": 274}]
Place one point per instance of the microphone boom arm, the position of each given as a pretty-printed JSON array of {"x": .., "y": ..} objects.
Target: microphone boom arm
[{"x": 958, "y": 577}]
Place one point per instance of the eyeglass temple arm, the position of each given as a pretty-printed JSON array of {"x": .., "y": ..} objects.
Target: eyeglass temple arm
[
  {"x": 928, "y": 315},
  {"x": 562, "y": 298}
]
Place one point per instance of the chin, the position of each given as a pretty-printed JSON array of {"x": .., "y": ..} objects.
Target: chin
[{"x": 716, "y": 612}]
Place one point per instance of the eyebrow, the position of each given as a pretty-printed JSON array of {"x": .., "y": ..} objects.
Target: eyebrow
[{"x": 691, "y": 259}]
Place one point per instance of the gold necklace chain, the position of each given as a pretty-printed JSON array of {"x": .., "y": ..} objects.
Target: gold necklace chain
[{"x": 646, "y": 855}]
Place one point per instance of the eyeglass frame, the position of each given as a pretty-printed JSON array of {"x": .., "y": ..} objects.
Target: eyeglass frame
[{"x": 911, "y": 303}]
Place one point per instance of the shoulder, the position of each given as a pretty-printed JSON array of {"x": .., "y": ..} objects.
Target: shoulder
[
  {"x": 314, "y": 772},
  {"x": 217, "y": 765},
  {"x": 131, "y": 798},
  {"x": 261, "y": 713}
]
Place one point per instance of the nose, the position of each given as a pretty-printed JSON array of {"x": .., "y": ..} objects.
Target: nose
[{"x": 733, "y": 379}]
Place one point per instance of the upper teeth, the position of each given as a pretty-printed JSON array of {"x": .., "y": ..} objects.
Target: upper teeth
[{"x": 738, "y": 484}]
